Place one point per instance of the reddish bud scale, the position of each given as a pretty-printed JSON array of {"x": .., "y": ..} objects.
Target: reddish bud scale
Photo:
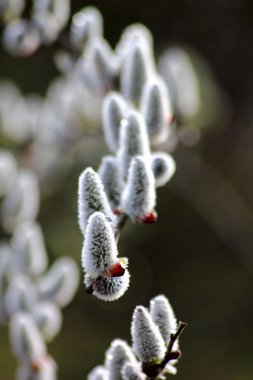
[
  {"x": 36, "y": 366},
  {"x": 172, "y": 119},
  {"x": 148, "y": 219},
  {"x": 174, "y": 355},
  {"x": 116, "y": 270},
  {"x": 117, "y": 211}
]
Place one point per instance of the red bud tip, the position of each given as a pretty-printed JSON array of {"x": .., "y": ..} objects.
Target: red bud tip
[
  {"x": 117, "y": 211},
  {"x": 174, "y": 355},
  {"x": 172, "y": 119},
  {"x": 36, "y": 366},
  {"x": 149, "y": 219},
  {"x": 116, "y": 270}
]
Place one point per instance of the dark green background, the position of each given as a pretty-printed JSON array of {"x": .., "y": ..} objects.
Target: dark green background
[{"x": 200, "y": 252}]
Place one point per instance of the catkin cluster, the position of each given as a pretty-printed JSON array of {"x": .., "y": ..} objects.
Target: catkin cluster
[
  {"x": 152, "y": 353},
  {"x": 136, "y": 116},
  {"x": 121, "y": 89}
]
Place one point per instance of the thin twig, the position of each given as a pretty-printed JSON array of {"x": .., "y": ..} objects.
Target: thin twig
[{"x": 173, "y": 338}]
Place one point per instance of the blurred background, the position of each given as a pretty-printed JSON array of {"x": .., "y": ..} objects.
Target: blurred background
[{"x": 200, "y": 251}]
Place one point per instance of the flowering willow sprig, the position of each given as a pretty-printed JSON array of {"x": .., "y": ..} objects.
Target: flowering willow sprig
[
  {"x": 30, "y": 299},
  {"x": 154, "y": 350},
  {"x": 135, "y": 117}
]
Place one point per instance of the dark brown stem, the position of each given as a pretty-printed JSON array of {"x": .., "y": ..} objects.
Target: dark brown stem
[
  {"x": 173, "y": 338},
  {"x": 153, "y": 370},
  {"x": 121, "y": 222}
]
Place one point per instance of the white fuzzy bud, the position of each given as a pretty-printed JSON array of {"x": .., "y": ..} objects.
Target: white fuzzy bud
[
  {"x": 29, "y": 249},
  {"x": 50, "y": 17},
  {"x": 130, "y": 35},
  {"x": 21, "y": 38},
  {"x": 163, "y": 166},
  {"x": 112, "y": 181},
  {"x": 100, "y": 65},
  {"x": 133, "y": 141},
  {"x": 48, "y": 319},
  {"x": 177, "y": 69},
  {"x": 148, "y": 343},
  {"x": 136, "y": 69},
  {"x": 5, "y": 262},
  {"x": 108, "y": 288},
  {"x": 157, "y": 110},
  {"x": 132, "y": 372},
  {"x": 99, "y": 252},
  {"x": 43, "y": 369},
  {"x": 20, "y": 295},
  {"x": 98, "y": 373},
  {"x": 139, "y": 197},
  {"x": 12, "y": 9},
  {"x": 22, "y": 201},
  {"x": 26, "y": 341},
  {"x": 59, "y": 285},
  {"x": 86, "y": 25},
  {"x": 164, "y": 317},
  {"x": 116, "y": 356},
  {"x": 8, "y": 169},
  {"x": 91, "y": 197},
  {"x": 113, "y": 111}
]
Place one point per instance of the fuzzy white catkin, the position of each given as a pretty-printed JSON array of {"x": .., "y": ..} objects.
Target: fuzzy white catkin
[
  {"x": 50, "y": 17},
  {"x": 133, "y": 141},
  {"x": 99, "y": 250},
  {"x": 114, "y": 110},
  {"x": 116, "y": 356},
  {"x": 44, "y": 369},
  {"x": 21, "y": 38},
  {"x": 27, "y": 343},
  {"x": 132, "y": 372},
  {"x": 60, "y": 283},
  {"x": 8, "y": 168},
  {"x": 138, "y": 199},
  {"x": 98, "y": 373},
  {"x": 135, "y": 70},
  {"x": 163, "y": 166},
  {"x": 157, "y": 109},
  {"x": 130, "y": 35},
  {"x": 22, "y": 201},
  {"x": 13, "y": 8},
  {"x": 112, "y": 181},
  {"x": 20, "y": 295},
  {"x": 164, "y": 317},
  {"x": 5, "y": 263},
  {"x": 176, "y": 68},
  {"x": 148, "y": 343},
  {"x": 100, "y": 65},
  {"x": 109, "y": 288},
  {"x": 86, "y": 25},
  {"x": 48, "y": 319},
  {"x": 29, "y": 249},
  {"x": 91, "y": 197}
]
